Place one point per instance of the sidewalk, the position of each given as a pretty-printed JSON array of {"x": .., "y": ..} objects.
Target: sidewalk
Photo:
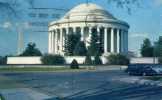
[
  {"x": 139, "y": 80},
  {"x": 23, "y": 94}
]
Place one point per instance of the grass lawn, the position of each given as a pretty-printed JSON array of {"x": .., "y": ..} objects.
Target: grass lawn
[
  {"x": 7, "y": 83},
  {"x": 1, "y": 97},
  {"x": 40, "y": 69},
  {"x": 154, "y": 78}
]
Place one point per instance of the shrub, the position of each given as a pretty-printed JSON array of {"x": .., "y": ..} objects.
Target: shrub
[
  {"x": 53, "y": 59},
  {"x": 97, "y": 60},
  {"x": 3, "y": 60},
  {"x": 88, "y": 60},
  {"x": 74, "y": 64},
  {"x": 160, "y": 60},
  {"x": 117, "y": 59},
  {"x": 31, "y": 50},
  {"x": 1, "y": 97}
]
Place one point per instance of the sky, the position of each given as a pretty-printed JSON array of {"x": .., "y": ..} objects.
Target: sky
[{"x": 145, "y": 22}]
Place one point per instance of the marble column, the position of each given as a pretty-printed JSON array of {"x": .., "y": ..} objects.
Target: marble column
[
  {"x": 74, "y": 30},
  {"x": 56, "y": 41},
  {"x": 90, "y": 33},
  {"x": 125, "y": 37},
  {"x": 89, "y": 37},
  {"x": 67, "y": 30},
  {"x": 52, "y": 38},
  {"x": 90, "y": 30},
  {"x": 82, "y": 33},
  {"x": 53, "y": 42},
  {"x": 61, "y": 40},
  {"x": 112, "y": 40},
  {"x": 105, "y": 41},
  {"x": 98, "y": 31},
  {"x": 126, "y": 41},
  {"x": 118, "y": 40},
  {"x": 49, "y": 41},
  {"x": 122, "y": 41}
]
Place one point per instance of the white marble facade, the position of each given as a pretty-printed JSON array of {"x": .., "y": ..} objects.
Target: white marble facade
[{"x": 84, "y": 18}]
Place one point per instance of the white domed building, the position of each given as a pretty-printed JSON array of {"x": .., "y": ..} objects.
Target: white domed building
[{"x": 82, "y": 19}]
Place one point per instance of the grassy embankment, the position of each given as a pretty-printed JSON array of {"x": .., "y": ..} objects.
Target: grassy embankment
[
  {"x": 154, "y": 78},
  {"x": 41, "y": 69}
]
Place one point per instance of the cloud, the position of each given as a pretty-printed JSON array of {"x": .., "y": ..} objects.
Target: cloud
[
  {"x": 23, "y": 25},
  {"x": 7, "y": 25},
  {"x": 27, "y": 25},
  {"x": 139, "y": 35}
]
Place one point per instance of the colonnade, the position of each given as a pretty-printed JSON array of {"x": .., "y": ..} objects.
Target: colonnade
[{"x": 115, "y": 39}]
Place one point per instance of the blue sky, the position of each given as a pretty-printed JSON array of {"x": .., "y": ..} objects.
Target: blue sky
[{"x": 145, "y": 21}]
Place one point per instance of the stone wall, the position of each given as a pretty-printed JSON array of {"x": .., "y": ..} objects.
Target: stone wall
[
  {"x": 144, "y": 60},
  {"x": 69, "y": 59},
  {"x": 37, "y": 60},
  {"x": 24, "y": 60}
]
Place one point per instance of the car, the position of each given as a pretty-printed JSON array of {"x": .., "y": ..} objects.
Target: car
[{"x": 144, "y": 69}]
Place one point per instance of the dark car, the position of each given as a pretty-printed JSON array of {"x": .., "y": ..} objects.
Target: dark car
[{"x": 144, "y": 69}]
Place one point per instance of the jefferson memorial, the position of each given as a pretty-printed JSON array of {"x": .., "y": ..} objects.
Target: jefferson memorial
[{"x": 82, "y": 19}]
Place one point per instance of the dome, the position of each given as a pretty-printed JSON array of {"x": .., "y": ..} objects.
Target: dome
[
  {"x": 87, "y": 12},
  {"x": 83, "y": 20}
]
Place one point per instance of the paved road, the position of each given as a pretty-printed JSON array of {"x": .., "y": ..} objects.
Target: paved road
[{"x": 100, "y": 85}]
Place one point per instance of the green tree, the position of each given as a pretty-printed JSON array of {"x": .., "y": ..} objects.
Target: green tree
[
  {"x": 80, "y": 49},
  {"x": 94, "y": 47},
  {"x": 3, "y": 60},
  {"x": 97, "y": 60},
  {"x": 31, "y": 50},
  {"x": 48, "y": 59},
  {"x": 74, "y": 64},
  {"x": 147, "y": 48},
  {"x": 2, "y": 97},
  {"x": 88, "y": 60},
  {"x": 160, "y": 60},
  {"x": 158, "y": 47},
  {"x": 70, "y": 43}
]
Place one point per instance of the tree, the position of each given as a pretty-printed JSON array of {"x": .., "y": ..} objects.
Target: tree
[
  {"x": 2, "y": 97},
  {"x": 160, "y": 60},
  {"x": 70, "y": 43},
  {"x": 48, "y": 59},
  {"x": 97, "y": 60},
  {"x": 94, "y": 47},
  {"x": 80, "y": 49},
  {"x": 3, "y": 60},
  {"x": 88, "y": 60},
  {"x": 158, "y": 47},
  {"x": 31, "y": 50},
  {"x": 147, "y": 48},
  {"x": 117, "y": 59},
  {"x": 74, "y": 64}
]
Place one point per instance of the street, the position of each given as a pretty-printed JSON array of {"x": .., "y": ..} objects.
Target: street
[{"x": 93, "y": 85}]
